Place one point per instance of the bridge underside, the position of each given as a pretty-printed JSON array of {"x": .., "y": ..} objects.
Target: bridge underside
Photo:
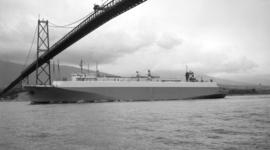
[{"x": 95, "y": 20}]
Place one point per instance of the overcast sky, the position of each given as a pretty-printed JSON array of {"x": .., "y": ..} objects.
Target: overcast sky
[{"x": 222, "y": 38}]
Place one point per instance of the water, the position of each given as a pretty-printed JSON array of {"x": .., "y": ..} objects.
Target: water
[{"x": 239, "y": 122}]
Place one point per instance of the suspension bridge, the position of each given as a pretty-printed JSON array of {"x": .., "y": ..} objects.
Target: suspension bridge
[{"x": 97, "y": 18}]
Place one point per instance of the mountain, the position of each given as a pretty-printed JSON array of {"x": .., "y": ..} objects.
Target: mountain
[
  {"x": 9, "y": 71},
  {"x": 181, "y": 75}
]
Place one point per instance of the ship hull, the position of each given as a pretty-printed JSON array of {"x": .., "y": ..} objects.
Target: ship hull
[{"x": 94, "y": 93}]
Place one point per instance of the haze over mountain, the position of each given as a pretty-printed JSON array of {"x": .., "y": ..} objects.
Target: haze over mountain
[{"x": 9, "y": 71}]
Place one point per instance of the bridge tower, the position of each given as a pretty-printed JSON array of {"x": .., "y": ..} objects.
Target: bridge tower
[{"x": 43, "y": 73}]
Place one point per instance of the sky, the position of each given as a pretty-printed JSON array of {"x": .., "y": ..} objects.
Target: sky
[{"x": 227, "y": 39}]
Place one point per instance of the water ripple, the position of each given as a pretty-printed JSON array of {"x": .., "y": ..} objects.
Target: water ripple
[{"x": 229, "y": 124}]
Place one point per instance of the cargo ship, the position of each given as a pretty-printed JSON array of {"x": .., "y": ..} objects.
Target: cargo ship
[{"x": 92, "y": 87}]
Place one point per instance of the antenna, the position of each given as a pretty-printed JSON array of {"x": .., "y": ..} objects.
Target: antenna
[
  {"x": 97, "y": 72},
  {"x": 81, "y": 66},
  {"x": 59, "y": 71},
  {"x": 53, "y": 66},
  {"x": 88, "y": 68}
]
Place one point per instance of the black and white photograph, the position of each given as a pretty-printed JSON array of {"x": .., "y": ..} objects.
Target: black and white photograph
[{"x": 135, "y": 75}]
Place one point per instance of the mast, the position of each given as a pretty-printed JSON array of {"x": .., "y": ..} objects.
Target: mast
[
  {"x": 81, "y": 66},
  {"x": 58, "y": 68},
  {"x": 97, "y": 71},
  {"x": 88, "y": 68}
]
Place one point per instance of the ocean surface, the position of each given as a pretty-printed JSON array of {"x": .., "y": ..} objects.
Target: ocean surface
[{"x": 233, "y": 123}]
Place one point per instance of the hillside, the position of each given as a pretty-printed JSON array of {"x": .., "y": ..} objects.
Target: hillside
[
  {"x": 181, "y": 75},
  {"x": 9, "y": 71}
]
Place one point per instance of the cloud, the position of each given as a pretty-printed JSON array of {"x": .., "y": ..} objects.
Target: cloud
[
  {"x": 212, "y": 37},
  {"x": 107, "y": 47},
  {"x": 240, "y": 65},
  {"x": 110, "y": 45},
  {"x": 168, "y": 40}
]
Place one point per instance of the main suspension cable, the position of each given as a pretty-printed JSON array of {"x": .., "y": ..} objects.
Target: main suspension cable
[
  {"x": 30, "y": 49},
  {"x": 70, "y": 24},
  {"x": 53, "y": 26}
]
